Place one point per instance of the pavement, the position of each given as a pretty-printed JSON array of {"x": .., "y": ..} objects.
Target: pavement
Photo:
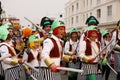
[{"x": 111, "y": 77}]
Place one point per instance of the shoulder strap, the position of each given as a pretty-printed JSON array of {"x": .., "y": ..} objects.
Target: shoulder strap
[{"x": 9, "y": 49}]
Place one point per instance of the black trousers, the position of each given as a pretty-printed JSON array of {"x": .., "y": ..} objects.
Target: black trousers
[
  {"x": 106, "y": 71},
  {"x": 2, "y": 77},
  {"x": 118, "y": 76}
]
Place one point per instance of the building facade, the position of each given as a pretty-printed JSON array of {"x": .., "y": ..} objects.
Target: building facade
[{"x": 106, "y": 11}]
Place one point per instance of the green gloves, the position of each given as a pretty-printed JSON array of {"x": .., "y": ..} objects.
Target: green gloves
[
  {"x": 91, "y": 77},
  {"x": 104, "y": 61}
]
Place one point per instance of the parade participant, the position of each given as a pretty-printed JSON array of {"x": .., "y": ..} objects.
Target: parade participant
[
  {"x": 92, "y": 21},
  {"x": 71, "y": 47},
  {"x": 26, "y": 33},
  {"x": 116, "y": 37},
  {"x": 10, "y": 65},
  {"x": 32, "y": 54},
  {"x": 52, "y": 52},
  {"x": 87, "y": 52},
  {"x": 106, "y": 56},
  {"x": 46, "y": 26}
]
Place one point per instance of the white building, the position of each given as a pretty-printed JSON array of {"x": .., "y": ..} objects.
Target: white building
[{"x": 106, "y": 11}]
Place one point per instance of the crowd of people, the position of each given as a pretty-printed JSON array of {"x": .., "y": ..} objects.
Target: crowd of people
[{"x": 37, "y": 54}]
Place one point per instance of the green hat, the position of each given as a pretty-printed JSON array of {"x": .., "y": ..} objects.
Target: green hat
[
  {"x": 34, "y": 38},
  {"x": 73, "y": 30},
  {"x": 118, "y": 23},
  {"x": 92, "y": 19},
  {"x": 92, "y": 28},
  {"x": 47, "y": 23},
  {"x": 8, "y": 25},
  {"x": 57, "y": 24},
  {"x": 3, "y": 33},
  {"x": 104, "y": 32}
]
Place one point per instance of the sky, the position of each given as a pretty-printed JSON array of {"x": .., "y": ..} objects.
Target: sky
[{"x": 33, "y": 9}]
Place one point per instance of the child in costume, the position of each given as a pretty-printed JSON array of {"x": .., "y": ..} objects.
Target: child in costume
[
  {"x": 52, "y": 53},
  {"x": 88, "y": 51},
  {"x": 71, "y": 47},
  {"x": 116, "y": 37},
  {"x": 12, "y": 70},
  {"x": 107, "y": 54},
  {"x": 32, "y": 55}
]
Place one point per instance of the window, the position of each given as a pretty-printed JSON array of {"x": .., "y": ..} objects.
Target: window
[
  {"x": 72, "y": 20},
  {"x": 83, "y": 18},
  {"x": 91, "y": 2},
  {"x": 87, "y": 3},
  {"x": 109, "y": 10},
  {"x": 77, "y": 19},
  {"x": 77, "y": 6},
  {"x": 84, "y": 3},
  {"x": 90, "y": 13},
  {"x": 98, "y": 1},
  {"x": 69, "y": 11},
  {"x": 86, "y": 16},
  {"x": 72, "y": 8},
  {"x": 98, "y": 13}
]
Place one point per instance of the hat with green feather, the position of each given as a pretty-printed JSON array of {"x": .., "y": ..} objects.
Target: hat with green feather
[
  {"x": 45, "y": 21},
  {"x": 34, "y": 38},
  {"x": 56, "y": 24},
  {"x": 3, "y": 33},
  {"x": 104, "y": 32},
  {"x": 118, "y": 23},
  {"x": 73, "y": 30},
  {"x": 92, "y": 20}
]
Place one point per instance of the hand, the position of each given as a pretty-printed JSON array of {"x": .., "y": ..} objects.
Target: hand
[
  {"x": 14, "y": 61},
  {"x": 73, "y": 57},
  {"x": 20, "y": 61},
  {"x": 46, "y": 35},
  {"x": 104, "y": 61},
  {"x": 53, "y": 68},
  {"x": 91, "y": 60},
  {"x": 28, "y": 72}
]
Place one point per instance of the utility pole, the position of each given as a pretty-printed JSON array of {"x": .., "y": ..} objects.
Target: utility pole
[{"x": 0, "y": 13}]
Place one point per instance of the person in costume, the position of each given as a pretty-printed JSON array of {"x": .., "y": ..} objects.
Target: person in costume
[
  {"x": 32, "y": 55},
  {"x": 12, "y": 70},
  {"x": 92, "y": 21},
  {"x": 71, "y": 47},
  {"x": 46, "y": 26},
  {"x": 107, "y": 56},
  {"x": 88, "y": 51},
  {"x": 116, "y": 38},
  {"x": 52, "y": 52}
]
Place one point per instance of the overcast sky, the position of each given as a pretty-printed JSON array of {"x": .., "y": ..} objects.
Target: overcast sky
[{"x": 33, "y": 9}]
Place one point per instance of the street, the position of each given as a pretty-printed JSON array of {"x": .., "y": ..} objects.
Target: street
[{"x": 111, "y": 77}]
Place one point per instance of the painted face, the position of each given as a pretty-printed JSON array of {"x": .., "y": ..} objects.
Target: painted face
[
  {"x": 119, "y": 26},
  {"x": 108, "y": 37},
  {"x": 11, "y": 32},
  {"x": 36, "y": 44},
  {"x": 94, "y": 36},
  {"x": 47, "y": 28},
  {"x": 61, "y": 32},
  {"x": 74, "y": 36}
]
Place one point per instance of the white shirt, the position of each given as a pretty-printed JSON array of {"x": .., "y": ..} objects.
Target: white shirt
[
  {"x": 4, "y": 51},
  {"x": 82, "y": 49},
  {"x": 35, "y": 62},
  {"x": 74, "y": 46},
  {"x": 47, "y": 47},
  {"x": 114, "y": 36}
]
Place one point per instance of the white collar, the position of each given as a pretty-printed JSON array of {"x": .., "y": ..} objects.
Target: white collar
[
  {"x": 71, "y": 42},
  {"x": 56, "y": 38}
]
